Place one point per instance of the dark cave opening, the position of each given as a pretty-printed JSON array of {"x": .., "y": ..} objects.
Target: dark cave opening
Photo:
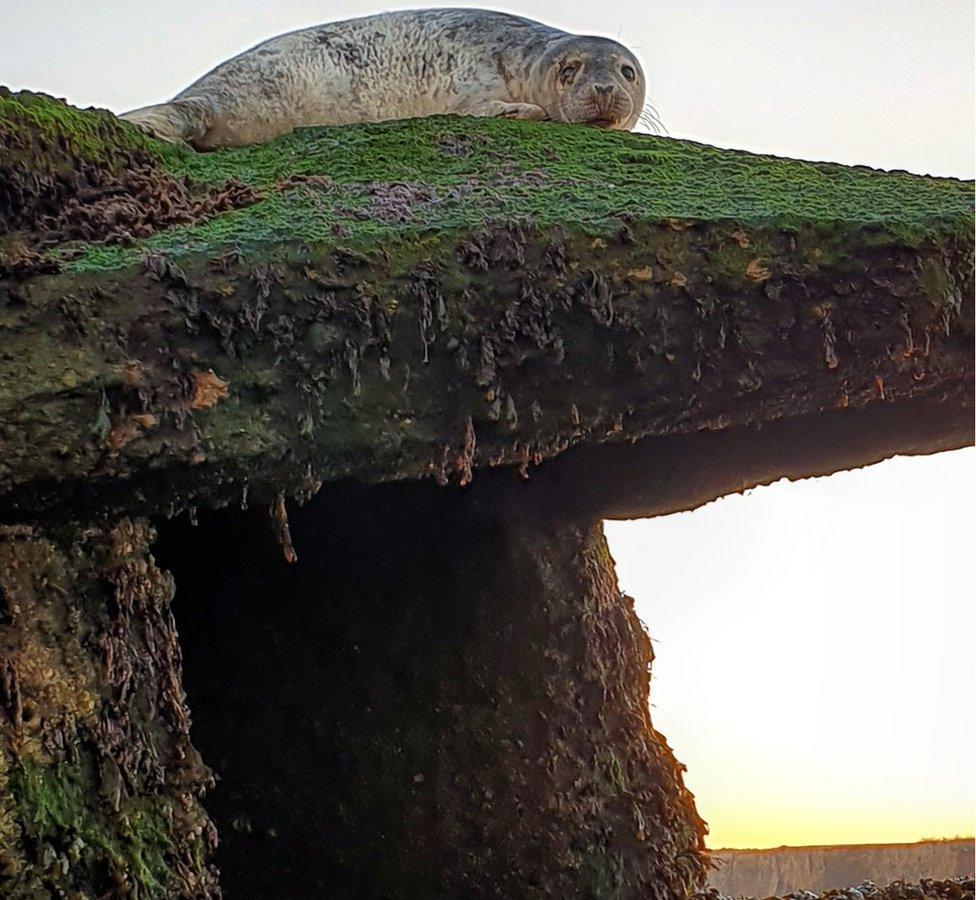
[{"x": 273, "y": 662}]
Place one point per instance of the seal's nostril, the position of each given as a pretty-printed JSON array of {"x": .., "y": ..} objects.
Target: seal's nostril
[{"x": 603, "y": 88}]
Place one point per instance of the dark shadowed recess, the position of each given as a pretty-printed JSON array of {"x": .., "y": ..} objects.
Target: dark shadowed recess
[
  {"x": 274, "y": 661},
  {"x": 439, "y": 699}
]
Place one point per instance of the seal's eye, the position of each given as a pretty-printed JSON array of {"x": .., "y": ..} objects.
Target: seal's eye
[
  {"x": 568, "y": 72},
  {"x": 628, "y": 73}
]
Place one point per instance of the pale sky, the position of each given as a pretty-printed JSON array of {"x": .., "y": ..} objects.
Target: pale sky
[
  {"x": 814, "y": 640},
  {"x": 814, "y": 644}
]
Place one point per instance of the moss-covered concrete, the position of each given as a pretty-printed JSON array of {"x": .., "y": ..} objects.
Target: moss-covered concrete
[
  {"x": 395, "y": 181},
  {"x": 55, "y": 129},
  {"x": 51, "y": 152},
  {"x": 618, "y": 324},
  {"x": 99, "y": 786},
  {"x": 437, "y": 296}
]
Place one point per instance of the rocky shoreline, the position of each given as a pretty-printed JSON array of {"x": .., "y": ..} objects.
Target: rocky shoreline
[{"x": 926, "y": 889}]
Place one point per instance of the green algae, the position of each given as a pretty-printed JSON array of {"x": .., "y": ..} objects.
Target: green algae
[
  {"x": 371, "y": 185},
  {"x": 95, "y": 136},
  {"x": 551, "y": 171},
  {"x": 543, "y": 174},
  {"x": 57, "y": 803}
]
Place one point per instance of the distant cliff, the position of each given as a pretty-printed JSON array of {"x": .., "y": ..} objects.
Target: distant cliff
[{"x": 762, "y": 873}]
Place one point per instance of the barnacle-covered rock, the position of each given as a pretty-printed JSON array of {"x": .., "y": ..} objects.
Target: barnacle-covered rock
[
  {"x": 567, "y": 323},
  {"x": 99, "y": 785},
  {"x": 441, "y": 296}
]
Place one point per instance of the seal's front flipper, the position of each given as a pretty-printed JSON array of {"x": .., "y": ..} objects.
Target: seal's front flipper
[
  {"x": 526, "y": 111},
  {"x": 158, "y": 122},
  {"x": 176, "y": 122}
]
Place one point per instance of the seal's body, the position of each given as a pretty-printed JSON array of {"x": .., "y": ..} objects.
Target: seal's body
[{"x": 402, "y": 65}]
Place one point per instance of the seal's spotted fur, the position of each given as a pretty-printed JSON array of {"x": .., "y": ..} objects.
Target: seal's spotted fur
[{"x": 402, "y": 65}]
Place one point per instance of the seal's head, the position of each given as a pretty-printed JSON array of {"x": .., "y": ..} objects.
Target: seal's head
[{"x": 591, "y": 81}]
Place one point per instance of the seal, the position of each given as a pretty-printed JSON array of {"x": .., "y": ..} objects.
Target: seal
[{"x": 401, "y": 65}]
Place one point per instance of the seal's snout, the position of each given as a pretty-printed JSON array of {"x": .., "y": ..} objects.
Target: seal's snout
[{"x": 606, "y": 102}]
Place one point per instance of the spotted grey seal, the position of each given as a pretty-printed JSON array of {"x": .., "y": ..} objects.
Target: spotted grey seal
[{"x": 400, "y": 65}]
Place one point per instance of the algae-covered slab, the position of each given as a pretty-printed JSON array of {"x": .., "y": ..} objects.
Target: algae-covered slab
[
  {"x": 434, "y": 297},
  {"x": 451, "y": 692}
]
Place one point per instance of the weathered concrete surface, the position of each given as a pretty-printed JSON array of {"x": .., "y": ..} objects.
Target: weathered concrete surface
[
  {"x": 437, "y": 297},
  {"x": 99, "y": 785},
  {"x": 634, "y": 325}
]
